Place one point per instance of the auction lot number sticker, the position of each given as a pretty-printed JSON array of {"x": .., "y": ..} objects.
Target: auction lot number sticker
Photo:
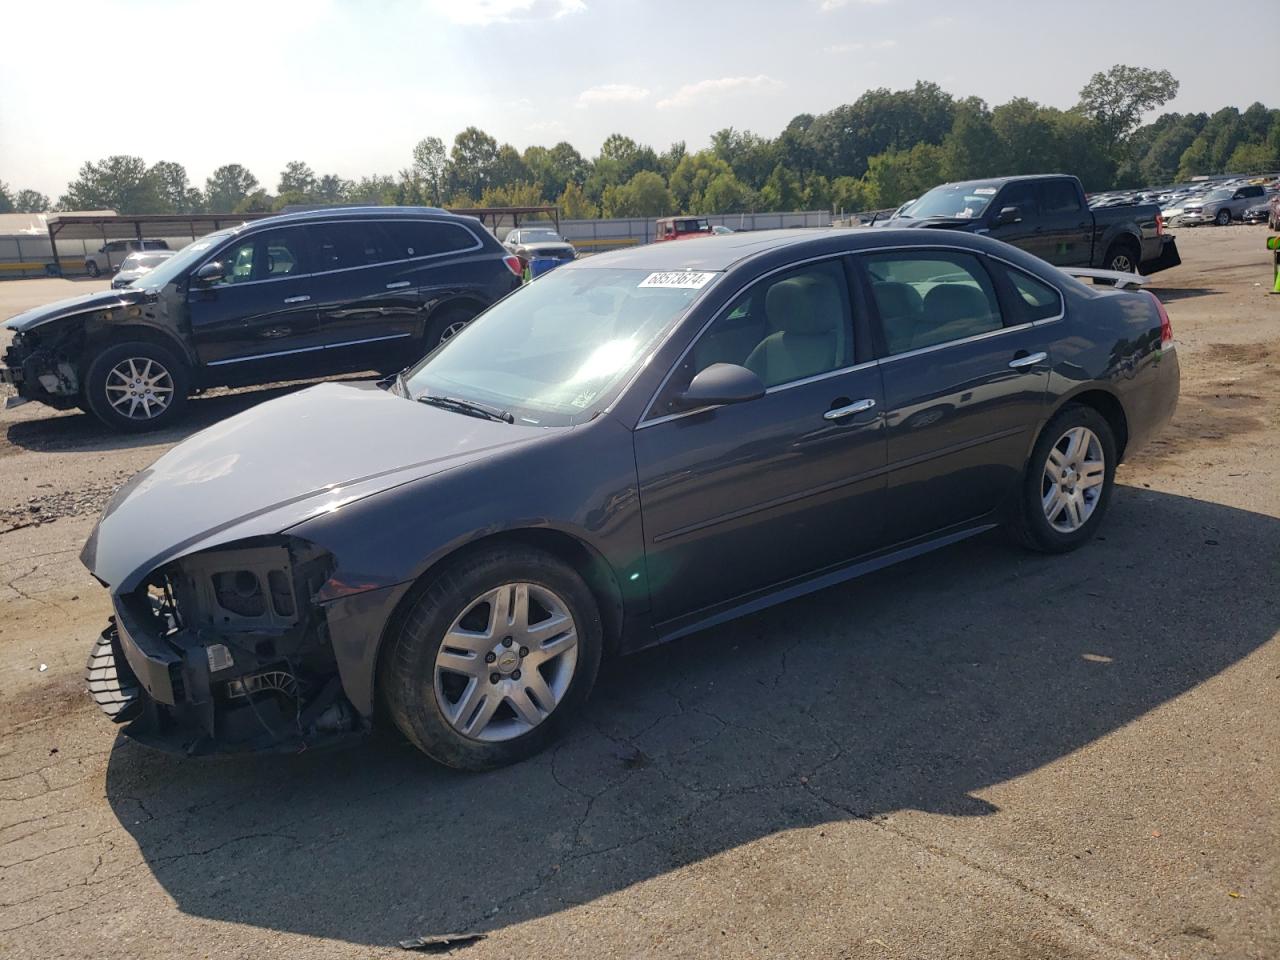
[{"x": 678, "y": 279}]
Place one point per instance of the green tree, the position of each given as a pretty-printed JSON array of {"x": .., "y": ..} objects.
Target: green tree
[
  {"x": 297, "y": 179},
  {"x": 1026, "y": 134},
  {"x": 257, "y": 202},
  {"x": 6, "y": 198},
  {"x": 120, "y": 183},
  {"x": 726, "y": 194},
  {"x": 670, "y": 158},
  {"x": 574, "y": 204},
  {"x": 898, "y": 175},
  {"x": 331, "y": 188},
  {"x": 379, "y": 190},
  {"x": 227, "y": 186},
  {"x": 849, "y": 195},
  {"x": 471, "y": 162},
  {"x": 522, "y": 193},
  {"x": 1246, "y": 158},
  {"x": 508, "y": 168},
  {"x": 1117, "y": 98},
  {"x": 751, "y": 157},
  {"x": 28, "y": 201},
  {"x": 783, "y": 190},
  {"x": 429, "y": 162},
  {"x": 644, "y": 195},
  {"x": 174, "y": 189},
  {"x": 692, "y": 175},
  {"x": 972, "y": 148}
]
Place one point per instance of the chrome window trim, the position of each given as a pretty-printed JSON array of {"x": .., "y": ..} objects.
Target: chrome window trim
[
  {"x": 250, "y": 234},
  {"x": 323, "y": 346},
  {"x": 987, "y": 335},
  {"x": 646, "y": 422}
]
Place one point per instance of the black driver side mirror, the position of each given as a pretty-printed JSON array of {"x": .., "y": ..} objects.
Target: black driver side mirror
[
  {"x": 1009, "y": 215},
  {"x": 210, "y": 272},
  {"x": 721, "y": 383}
]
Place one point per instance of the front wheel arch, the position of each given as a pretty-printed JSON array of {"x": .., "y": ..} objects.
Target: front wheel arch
[{"x": 585, "y": 560}]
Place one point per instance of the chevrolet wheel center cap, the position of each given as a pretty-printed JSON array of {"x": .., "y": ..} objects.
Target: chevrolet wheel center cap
[{"x": 508, "y": 661}]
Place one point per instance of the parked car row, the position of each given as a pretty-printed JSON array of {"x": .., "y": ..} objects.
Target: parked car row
[{"x": 1219, "y": 201}]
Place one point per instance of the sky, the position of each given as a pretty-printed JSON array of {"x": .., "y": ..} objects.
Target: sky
[{"x": 349, "y": 87}]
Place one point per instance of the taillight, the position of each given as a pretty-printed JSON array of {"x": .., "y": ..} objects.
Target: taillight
[
  {"x": 513, "y": 264},
  {"x": 1159, "y": 225},
  {"x": 1166, "y": 328}
]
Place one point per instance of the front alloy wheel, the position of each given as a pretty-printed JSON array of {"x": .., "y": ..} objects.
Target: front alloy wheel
[
  {"x": 134, "y": 386},
  {"x": 506, "y": 662},
  {"x": 139, "y": 388}
]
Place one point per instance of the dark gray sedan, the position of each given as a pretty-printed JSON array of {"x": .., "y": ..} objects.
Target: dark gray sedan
[{"x": 634, "y": 448}]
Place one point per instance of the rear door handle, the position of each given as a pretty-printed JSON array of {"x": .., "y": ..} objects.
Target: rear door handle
[
  {"x": 397, "y": 286},
  {"x": 302, "y": 299},
  {"x": 839, "y": 413},
  {"x": 1030, "y": 360}
]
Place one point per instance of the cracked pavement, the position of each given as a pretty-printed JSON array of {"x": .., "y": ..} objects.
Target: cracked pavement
[{"x": 980, "y": 753}]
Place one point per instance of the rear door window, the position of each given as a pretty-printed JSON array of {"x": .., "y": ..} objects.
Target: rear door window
[
  {"x": 1057, "y": 196},
  {"x": 343, "y": 245},
  {"x": 931, "y": 297}
]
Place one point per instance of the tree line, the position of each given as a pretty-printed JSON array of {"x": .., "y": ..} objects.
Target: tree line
[{"x": 885, "y": 147}]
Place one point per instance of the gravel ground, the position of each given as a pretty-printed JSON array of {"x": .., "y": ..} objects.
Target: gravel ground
[{"x": 981, "y": 753}]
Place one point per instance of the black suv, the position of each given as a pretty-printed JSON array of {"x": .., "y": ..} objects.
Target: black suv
[{"x": 283, "y": 298}]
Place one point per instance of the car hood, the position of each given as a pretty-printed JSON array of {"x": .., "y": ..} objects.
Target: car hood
[
  {"x": 277, "y": 465},
  {"x": 102, "y": 300}
]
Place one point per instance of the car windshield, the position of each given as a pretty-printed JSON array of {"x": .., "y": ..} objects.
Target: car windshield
[
  {"x": 960, "y": 200},
  {"x": 554, "y": 352},
  {"x": 172, "y": 267},
  {"x": 143, "y": 261},
  {"x": 539, "y": 236}
]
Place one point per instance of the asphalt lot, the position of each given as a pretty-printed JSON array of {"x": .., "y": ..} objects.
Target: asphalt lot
[{"x": 980, "y": 753}]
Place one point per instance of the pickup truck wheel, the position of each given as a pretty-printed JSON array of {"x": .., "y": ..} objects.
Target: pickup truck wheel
[
  {"x": 1223, "y": 218},
  {"x": 136, "y": 386},
  {"x": 91, "y": 268},
  {"x": 1122, "y": 258}
]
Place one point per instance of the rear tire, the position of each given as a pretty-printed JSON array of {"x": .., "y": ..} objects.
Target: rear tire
[
  {"x": 1223, "y": 218},
  {"x": 1122, "y": 257},
  {"x": 136, "y": 386},
  {"x": 449, "y": 322},
  {"x": 1049, "y": 516},
  {"x": 91, "y": 268},
  {"x": 432, "y": 689}
]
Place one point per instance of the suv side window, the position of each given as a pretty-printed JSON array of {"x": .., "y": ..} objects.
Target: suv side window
[
  {"x": 784, "y": 328},
  {"x": 1058, "y": 196},
  {"x": 341, "y": 245},
  {"x": 267, "y": 256},
  {"x": 425, "y": 238},
  {"x": 931, "y": 297}
]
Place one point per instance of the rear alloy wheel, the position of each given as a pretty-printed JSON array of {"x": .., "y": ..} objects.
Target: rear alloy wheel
[
  {"x": 446, "y": 326},
  {"x": 136, "y": 386},
  {"x": 1121, "y": 259},
  {"x": 493, "y": 659},
  {"x": 1068, "y": 482},
  {"x": 1223, "y": 218},
  {"x": 91, "y": 268}
]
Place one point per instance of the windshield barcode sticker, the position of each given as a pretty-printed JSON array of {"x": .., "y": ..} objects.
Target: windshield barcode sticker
[{"x": 678, "y": 279}]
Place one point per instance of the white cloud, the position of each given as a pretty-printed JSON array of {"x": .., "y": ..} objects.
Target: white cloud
[
  {"x": 482, "y": 13},
  {"x": 826, "y": 6},
  {"x": 859, "y": 45},
  {"x": 612, "y": 93},
  {"x": 706, "y": 89}
]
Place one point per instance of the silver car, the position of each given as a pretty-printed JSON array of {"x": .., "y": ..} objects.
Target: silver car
[
  {"x": 108, "y": 257},
  {"x": 138, "y": 264},
  {"x": 1221, "y": 206}
]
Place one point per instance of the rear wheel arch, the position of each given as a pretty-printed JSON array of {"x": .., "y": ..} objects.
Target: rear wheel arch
[
  {"x": 1108, "y": 405},
  {"x": 585, "y": 560}
]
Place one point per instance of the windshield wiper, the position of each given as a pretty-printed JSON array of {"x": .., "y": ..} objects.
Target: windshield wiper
[{"x": 469, "y": 407}]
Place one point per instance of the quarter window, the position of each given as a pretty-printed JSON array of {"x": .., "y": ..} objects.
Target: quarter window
[
  {"x": 426, "y": 238},
  {"x": 1036, "y": 299},
  {"x": 931, "y": 297}
]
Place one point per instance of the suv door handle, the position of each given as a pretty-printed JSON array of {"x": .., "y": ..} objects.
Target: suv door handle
[
  {"x": 302, "y": 299},
  {"x": 839, "y": 413},
  {"x": 397, "y": 286},
  {"x": 1030, "y": 360}
]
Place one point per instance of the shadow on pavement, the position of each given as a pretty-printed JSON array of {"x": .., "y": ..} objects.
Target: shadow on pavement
[
  {"x": 1170, "y": 294},
  {"x": 914, "y": 688},
  {"x": 76, "y": 431}
]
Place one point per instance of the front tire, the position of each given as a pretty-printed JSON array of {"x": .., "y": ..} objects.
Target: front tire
[
  {"x": 1223, "y": 218},
  {"x": 136, "y": 386},
  {"x": 1068, "y": 482},
  {"x": 91, "y": 268},
  {"x": 494, "y": 658}
]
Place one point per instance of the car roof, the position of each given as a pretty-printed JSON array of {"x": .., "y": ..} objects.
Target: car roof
[
  {"x": 716, "y": 252},
  {"x": 359, "y": 213}
]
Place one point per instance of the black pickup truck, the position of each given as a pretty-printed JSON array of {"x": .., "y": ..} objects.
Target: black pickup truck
[{"x": 1049, "y": 217}]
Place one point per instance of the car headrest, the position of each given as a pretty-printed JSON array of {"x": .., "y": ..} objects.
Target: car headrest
[
  {"x": 955, "y": 301},
  {"x": 897, "y": 300},
  {"x": 805, "y": 306}
]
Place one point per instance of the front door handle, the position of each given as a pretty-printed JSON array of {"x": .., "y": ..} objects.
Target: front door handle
[
  {"x": 1030, "y": 360},
  {"x": 302, "y": 299},
  {"x": 839, "y": 413},
  {"x": 397, "y": 286}
]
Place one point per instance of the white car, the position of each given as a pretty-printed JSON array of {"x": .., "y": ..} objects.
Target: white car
[{"x": 111, "y": 254}]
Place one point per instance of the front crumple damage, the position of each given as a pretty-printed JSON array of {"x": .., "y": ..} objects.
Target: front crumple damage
[
  {"x": 227, "y": 651},
  {"x": 42, "y": 364}
]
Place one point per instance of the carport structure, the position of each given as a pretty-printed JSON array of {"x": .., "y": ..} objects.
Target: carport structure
[
  {"x": 76, "y": 226},
  {"x": 498, "y": 214}
]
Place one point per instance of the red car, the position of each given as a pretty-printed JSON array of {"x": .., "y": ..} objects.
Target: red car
[{"x": 682, "y": 228}]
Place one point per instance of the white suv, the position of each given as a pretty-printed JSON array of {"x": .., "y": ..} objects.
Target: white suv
[{"x": 111, "y": 254}]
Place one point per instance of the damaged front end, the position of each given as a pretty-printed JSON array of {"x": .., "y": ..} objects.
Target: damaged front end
[
  {"x": 225, "y": 651},
  {"x": 40, "y": 364}
]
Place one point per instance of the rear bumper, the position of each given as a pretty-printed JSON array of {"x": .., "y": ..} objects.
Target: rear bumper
[{"x": 1168, "y": 257}]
